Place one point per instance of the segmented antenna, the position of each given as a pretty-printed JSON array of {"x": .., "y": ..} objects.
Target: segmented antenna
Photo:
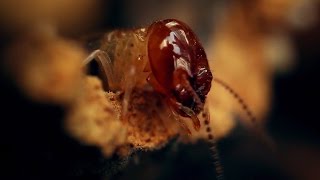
[
  {"x": 211, "y": 139},
  {"x": 214, "y": 147},
  {"x": 252, "y": 118},
  {"x": 237, "y": 97}
]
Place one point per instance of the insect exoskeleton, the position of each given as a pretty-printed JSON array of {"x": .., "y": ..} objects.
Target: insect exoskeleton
[{"x": 166, "y": 56}]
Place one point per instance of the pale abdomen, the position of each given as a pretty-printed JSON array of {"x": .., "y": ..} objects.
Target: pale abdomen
[{"x": 126, "y": 54}]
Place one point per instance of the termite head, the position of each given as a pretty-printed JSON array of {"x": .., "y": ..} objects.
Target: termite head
[{"x": 179, "y": 65}]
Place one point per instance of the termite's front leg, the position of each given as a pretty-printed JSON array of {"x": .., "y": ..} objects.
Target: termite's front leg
[
  {"x": 130, "y": 82},
  {"x": 105, "y": 67},
  {"x": 110, "y": 80},
  {"x": 185, "y": 111}
]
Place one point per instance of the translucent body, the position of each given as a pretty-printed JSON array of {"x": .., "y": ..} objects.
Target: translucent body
[
  {"x": 166, "y": 56},
  {"x": 125, "y": 58}
]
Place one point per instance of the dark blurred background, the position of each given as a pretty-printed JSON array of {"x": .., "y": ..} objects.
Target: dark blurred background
[{"x": 34, "y": 148}]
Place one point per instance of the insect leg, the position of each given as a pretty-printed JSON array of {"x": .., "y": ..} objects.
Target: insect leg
[
  {"x": 172, "y": 105},
  {"x": 130, "y": 81},
  {"x": 193, "y": 116},
  {"x": 105, "y": 63},
  {"x": 187, "y": 111},
  {"x": 182, "y": 124}
]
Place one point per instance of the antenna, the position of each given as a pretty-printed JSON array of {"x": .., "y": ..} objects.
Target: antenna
[
  {"x": 213, "y": 148},
  {"x": 256, "y": 128},
  {"x": 237, "y": 97}
]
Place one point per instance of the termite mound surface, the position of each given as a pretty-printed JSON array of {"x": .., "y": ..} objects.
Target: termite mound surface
[
  {"x": 149, "y": 124},
  {"x": 96, "y": 119},
  {"x": 48, "y": 69}
]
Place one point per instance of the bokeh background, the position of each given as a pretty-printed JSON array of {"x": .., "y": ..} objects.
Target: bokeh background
[{"x": 267, "y": 50}]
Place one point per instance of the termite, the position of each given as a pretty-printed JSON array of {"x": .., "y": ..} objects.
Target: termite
[{"x": 166, "y": 56}]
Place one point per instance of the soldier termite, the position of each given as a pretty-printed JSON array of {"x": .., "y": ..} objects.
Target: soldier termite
[{"x": 166, "y": 56}]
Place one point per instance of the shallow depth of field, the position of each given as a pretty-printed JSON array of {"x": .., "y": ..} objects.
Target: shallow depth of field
[{"x": 57, "y": 122}]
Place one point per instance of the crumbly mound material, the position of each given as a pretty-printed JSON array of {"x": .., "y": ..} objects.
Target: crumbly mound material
[
  {"x": 149, "y": 122},
  {"x": 96, "y": 119},
  {"x": 46, "y": 67}
]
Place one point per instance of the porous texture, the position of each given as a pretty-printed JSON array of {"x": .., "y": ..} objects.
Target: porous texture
[
  {"x": 149, "y": 124},
  {"x": 48, "y": 69},
  {"x": 96, "y": 119}
]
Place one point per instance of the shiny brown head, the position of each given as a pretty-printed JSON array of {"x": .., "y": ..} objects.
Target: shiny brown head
[{"x": 179, "y": 65}]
